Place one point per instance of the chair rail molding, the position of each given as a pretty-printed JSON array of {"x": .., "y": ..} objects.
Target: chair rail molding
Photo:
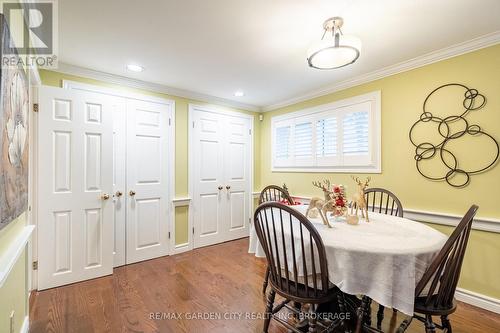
[
  {"x": 182, "y": 201},
  {"x": 13, "y": 252},
  {"x": 480, "y": 223}
]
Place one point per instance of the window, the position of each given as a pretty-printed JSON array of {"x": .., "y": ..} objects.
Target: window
[{"x": 343, "y": 136}]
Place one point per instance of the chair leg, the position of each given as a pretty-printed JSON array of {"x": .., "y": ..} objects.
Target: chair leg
[
  {"x": 380, "y": 316},
  {"x": 404, "y": 325},
  {"x": 445, "y": 322},
  {"x": 312, "y": 319},
  {"x": 269, "y": 310},
  {"x": 429, "y": 324},
  {"x": 368, "y": 311},
  {"x": 296, "y": 316},
  {"x": 266, "y": 280},
  {"x": 343, "y": 310},
  {"x": 361, "y": 313}
]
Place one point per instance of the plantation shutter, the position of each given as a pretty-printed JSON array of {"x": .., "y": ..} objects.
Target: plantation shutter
[
  {"x": 282, "y": 144},
  {"x": 356, "y": 135}
]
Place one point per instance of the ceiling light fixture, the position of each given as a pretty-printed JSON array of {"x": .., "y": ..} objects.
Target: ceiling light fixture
[
  {"x": 335, "y": 49},
  {"x": 135, "y": 68},
  {"x": 239, "y": 93}
]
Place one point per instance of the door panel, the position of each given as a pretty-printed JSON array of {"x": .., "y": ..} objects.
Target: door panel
[
  {"x": 208, "y": 200},
  {"x": 93, "y": 237},
  {"x": 75, "y": 170},
  {"x": 147, "y": 177},
  {"x": 148, "y": 210},
  {"x": 221, "y": 176},
  {"x": 237, "y": 163}
]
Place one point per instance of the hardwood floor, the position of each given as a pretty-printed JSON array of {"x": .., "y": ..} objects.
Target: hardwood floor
[{"x": 221, "y": 280}]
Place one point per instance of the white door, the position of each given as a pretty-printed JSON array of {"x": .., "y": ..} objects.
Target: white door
[
  {"x": 75, "y": 227},
  {"x": 147, "y": 180},
  {"x": 119, "y": 179},
  {"x": 209, "y": 204},
  {"x": 221, "y": 172},
  {"x": 237, "y": 165}
]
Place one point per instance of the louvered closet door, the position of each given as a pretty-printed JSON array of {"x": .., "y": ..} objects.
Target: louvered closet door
[{"x": 75, "y": 222}]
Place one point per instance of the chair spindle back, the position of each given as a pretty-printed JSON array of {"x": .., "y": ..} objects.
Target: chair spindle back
[
  {"x": 380, "y": 200},
  {"x": 274, "y": 193},
  {"x": 441, "y": 278},
  {"x": 294, "y": 251}
]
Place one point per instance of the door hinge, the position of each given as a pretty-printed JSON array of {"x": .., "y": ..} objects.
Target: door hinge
[
  {"x": 35, "y": 265},
  {"x": 169, "y": 235},
  {"x": 169, "y": 121},
  {"x": 249, "y": 220},
  {"x": 193, "y": 124},
  {"x": 250, "y": 131},
  {"x": 35, "y": 107},
  {"x": 193, "y": 230}
]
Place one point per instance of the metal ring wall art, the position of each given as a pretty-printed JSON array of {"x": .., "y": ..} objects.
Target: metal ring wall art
[{"x": 472, "y": 101}]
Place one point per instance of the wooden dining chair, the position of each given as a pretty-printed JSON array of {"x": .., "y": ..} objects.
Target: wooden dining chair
[
  {"x": 297, "y": 262},
  {"x": 277, "y": 194},
  {"x": 435, "y": 291},
  {"x": 380, "y": 200}
]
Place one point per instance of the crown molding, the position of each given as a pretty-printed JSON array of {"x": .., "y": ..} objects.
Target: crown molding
[
  {"x": 149, "y": 86},
  {"x": 426, "y": 59}
]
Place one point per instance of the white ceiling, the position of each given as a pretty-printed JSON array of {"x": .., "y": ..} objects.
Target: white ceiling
[{"x": 216, "y": 47}]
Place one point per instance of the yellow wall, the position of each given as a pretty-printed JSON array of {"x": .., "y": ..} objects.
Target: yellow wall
[
  {"x": 13, "y": 294},
  {"x": 402, "y": 98},
  {"x": 181, "y": 140}
]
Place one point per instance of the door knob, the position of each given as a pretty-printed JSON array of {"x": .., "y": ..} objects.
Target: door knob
[
  {"x": 228, "y": 187},
  {"x": 105, "y": 196},
  {"x": 131, "y": 193},
  {"x": 118, "y": 194},
  {"x": 220, "y": 188}
]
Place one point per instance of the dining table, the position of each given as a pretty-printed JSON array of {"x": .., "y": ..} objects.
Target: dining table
[{"x": 382, "y": 259}]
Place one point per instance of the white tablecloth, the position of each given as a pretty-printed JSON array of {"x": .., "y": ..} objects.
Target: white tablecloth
[{"x": 383, "y": 259}]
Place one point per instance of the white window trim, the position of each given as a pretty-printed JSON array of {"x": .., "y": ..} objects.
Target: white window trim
[{"x": 376, "y": 138}]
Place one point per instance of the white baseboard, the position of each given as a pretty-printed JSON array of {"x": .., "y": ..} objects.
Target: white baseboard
[
  {"x": 181, "y": 248},
  {"x": 479, "y": 300},
  {"x": 26, "y": 325}
]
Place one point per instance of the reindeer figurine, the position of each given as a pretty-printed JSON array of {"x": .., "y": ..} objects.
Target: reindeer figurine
[
  {"x": 322, "y": 205},
  {"x": 358, "y": 198}
]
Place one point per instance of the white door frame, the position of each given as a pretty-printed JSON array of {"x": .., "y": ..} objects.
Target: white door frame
[
  {"x": 69, "y": 84},
  {"x": 191, "y": 182}
]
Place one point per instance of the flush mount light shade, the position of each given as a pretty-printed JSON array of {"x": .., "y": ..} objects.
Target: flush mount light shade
[
  {"x": 239, "y": 93},
  {"x": 334, "y": 50}
]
